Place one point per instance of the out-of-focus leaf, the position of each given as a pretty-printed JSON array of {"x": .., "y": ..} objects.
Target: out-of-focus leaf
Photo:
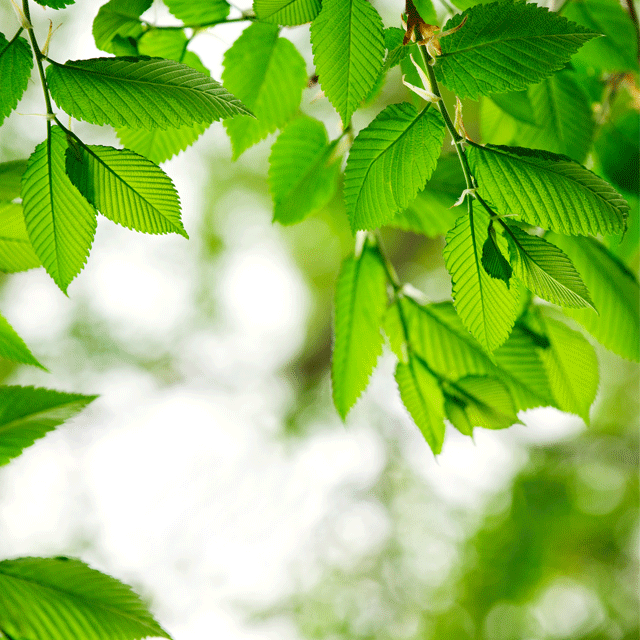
[
  {"x": 16, "y": 252},
  {"x": 16, "y": 62}
]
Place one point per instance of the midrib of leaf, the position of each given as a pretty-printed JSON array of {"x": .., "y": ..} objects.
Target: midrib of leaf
[
  {"x": 24, "y": 420},
  {"x": 50, "y": 195},
  {"x": 478, "y": 265},
  {"x": 264, "y": 77}
]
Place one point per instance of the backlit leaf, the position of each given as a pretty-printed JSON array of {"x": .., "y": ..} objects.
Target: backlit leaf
[
  {"x": 10, "y": 177},
  {"x": 617, "y": 149},
  {"x": 199, "y": 12},
  {"x": 12, "y": 346},
  {"x": 494, "y": 263},
  {"x": 55, "y": 4},
  {"x": 118, "y": 18},
  {"x": 16, "y": 252},
  {"x": 287, "y": 12},
  {"x": 16, "y": 62}
]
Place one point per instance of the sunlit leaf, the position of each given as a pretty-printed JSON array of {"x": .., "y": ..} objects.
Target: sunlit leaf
[
  {"x": 16, "y": 62},
  {"x": 200, "y": 12},
  {"x": 10, "y": 177},
  {"x": 55, "y": 4},
  {"x": 12, "y": 346},
  {"x": 118, "y": 19},
  {"x": 287, "y": 12},
  {"x": 16, "y": 252}
]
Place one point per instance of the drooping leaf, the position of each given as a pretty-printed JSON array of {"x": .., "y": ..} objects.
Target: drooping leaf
[
  {"x": 486, "y": 306},
  {"x": 202, "y": 12},
  {"x": 494, "y": 263},
  {"x": 139, "y": 92},
  {"x": 268, "y": 74},
  {"x": 12, "y": 346},
  {"x": 546, "y": 270},
  {"x": 55, "y": 4},
  {"x": 505, "y": 46},
  {"x": 126, "y": 188},
  {"x": 547, "y": 190},
  {"x": 618, "y": 152},
  {"x": 360, "y": 303},
  {"x": 348, "y": 48},
  {"x": 615, "y": 293},
  {"x": 572, "y": 368},
  {"x": 16, "y": 252},
  {"x": 422, "y": 396},
  {"x": 10, "y": 177},
  {"x": 287, "y": 12},
  {"x": 302, "y": 171},
  {"x": 60, "y": 222},
  {"x": 389, "y": 162},
  {"x": 28, "y": 413},
  {"x": 16, "y": 62},
  {"x": 118, "y": 19},
  {"x": 62, "y": 598}
]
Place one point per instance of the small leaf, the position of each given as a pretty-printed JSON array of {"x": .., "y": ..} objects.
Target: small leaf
[
  {"x": 486, "y": 306},
  {"x": 505, "y": 46},
  {"x": 268, "y": 74},
  {"x": 61, "y": 598},
  {"x": 10, "y": 177},
  {"x": 547, "y": 190},
  {"x": 421, "y": 395},
  {"x": 302, "y": 173},
  {"x": 112, "y": 90},
  {"x": 60, "y": 222},
  {"x": 287, "y": 12},
  {"x": 202, "y": 12},
  {"x": 55, "y": 4},
  {"x": 389, "y": 162},
  {"x": 494, "y": 263},
  {"x": 348, "y": 48},
  {"x": 28, "y": 413},
  {"x": 16, "y": 62},
  {"x": 16, "y": 252},
  {"x": 118, "y": 19},
  {"x": 12, "y": 346},
  {"x": 546, "y": 270},
  {"x": 360, "y": 303}
]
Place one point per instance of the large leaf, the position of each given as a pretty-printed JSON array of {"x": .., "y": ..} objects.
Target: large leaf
[
  {"x": 302, "y": 170},
  {"x": 287, "y": 12},
  {"x": 505, "y": 46},
  {"x": 16, "y": 62},
  {"x": 12, "y": 346},
  {"x": 60, "y": 222},
  {"x": 360, "y": 302},
  {"x": 615, "y": 293},
  {"x": 62, "y": 598},
  {"x": 487, "y": 306},
  {"x": 572, "y": 368},
  {"x": 201, "y": 12},
  {"x": 389, "y": 162},
  {"x": 126, "y": 188},
  {"x": 28, "y": 413},
  {"x": 118, "y": 19},
  {"x": 546, "y": 270},
  {"x": 10, "y": 177},
  {"x": 547, "y": 190},
  {"x": 139, "y": 92},
  {"x": 268, "y": 74},
  {"x": 423, "y": 398},
  {"x": 16, "y": 252},
  {"x": 348, "y": 48}
]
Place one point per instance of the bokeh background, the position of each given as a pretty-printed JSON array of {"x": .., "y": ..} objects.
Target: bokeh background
[{"x": 213, "y": 474}]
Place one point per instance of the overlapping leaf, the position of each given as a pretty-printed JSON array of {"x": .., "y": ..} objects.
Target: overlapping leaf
[
  {"x": 126, "y": 188},
  {"x": 139, "y": 92},
  {"x": 517, "y": 104},
  {"x": 268, "y": 74},
  {"x": 547, "y": 190},
  {"x": 287, "y": 12},
  {"x": 360, "y": 303},
  {"x": 348, "y": 49},
  {"x": 10, "y": 176},
  {"x": 546, "y": 270},
  {"x": 389, "y": 162},
  {"x": 60, "y": 222},
  {"x": 118, "y": 19},
  {"x": 617, "y": 149},
  {"x": 202, "y": 12},
  {"x": 505, "y": 46},
  {"x": 62, "y": 598},
  {"x": 302, "y": 171},
  {"x": 12, "y": 346},
  {"x": 16, "y": 252},
  {"x": 487, "y": 306},
  {"x": 615, "y": 293},
  {"x": 16, "y": 62}
]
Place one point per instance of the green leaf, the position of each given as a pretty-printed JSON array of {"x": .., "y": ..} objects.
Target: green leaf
[
  {"x": 202, "y": 12},
  {"x": 10, "y": 177},
  {"x": 547, "y": 190},
  {"x": 114, "y": 90},
  {"x": 60, "y": 222},
  {"x": 26, "y": 414},
  {"x": 268, "y": 74},
  {"x": 163, "y": 43},
  {"x": 287, "y": 12},
  {"x": 55, "y": 4},
  {"x": 348, "y": 48},
  {"x": 16, "y": 252},
  {"x": 615, "y": 293},
  {"x": 126, "y": 188},
  {"x": 505, "y": 47},
  {"x": 618, "y": 152},
  {"x": 16, "y": 62},
  {"x": 426, "y": 11},
  {"x": 517, "y": 104},
  {"x": 494, "y": 263},
  {"x": 396, "y": 51},
  {"x": 389, "y": 162},
  {"x": 421, "y": 395},
  {"x": 360, "y": 303},
  {"x": 62, "y": 598},
  {"x": 618, "y": 50},
  {"x": 486, "y": 306},
  {"x": 118, "y": 19},
  {"x": 303, "y": 173},
  {"x": 546, "y": 270},
  {"x": 572, "y": 368},
  {"x": 12, "y": 346}
]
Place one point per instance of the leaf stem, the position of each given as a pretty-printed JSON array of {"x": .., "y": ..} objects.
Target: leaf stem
[{"x": 392, "y": 276}]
